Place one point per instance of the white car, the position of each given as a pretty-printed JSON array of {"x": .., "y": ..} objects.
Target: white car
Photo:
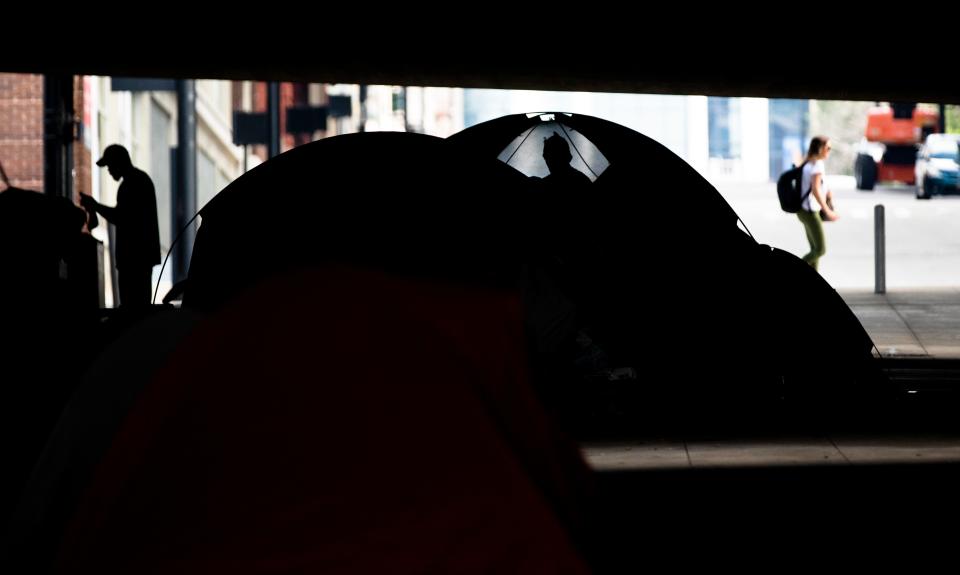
[{"x": 937, "y": 165}]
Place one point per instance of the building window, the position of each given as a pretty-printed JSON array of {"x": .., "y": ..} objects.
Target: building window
[
  {"x": 788, "y": 125},
  {"x": 723, "y": 120}
]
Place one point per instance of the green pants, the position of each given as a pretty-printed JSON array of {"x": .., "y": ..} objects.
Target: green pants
[{"x": 814, "y": 228}]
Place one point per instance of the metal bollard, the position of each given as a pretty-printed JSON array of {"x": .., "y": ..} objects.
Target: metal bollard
[{"x": 879, "y": 250}]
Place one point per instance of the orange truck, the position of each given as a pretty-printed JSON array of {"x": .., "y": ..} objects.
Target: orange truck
[{"x": 888, "y": 150}]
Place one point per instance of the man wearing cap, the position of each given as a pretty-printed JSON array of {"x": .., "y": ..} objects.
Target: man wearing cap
[{"x": 135, "y": 217}]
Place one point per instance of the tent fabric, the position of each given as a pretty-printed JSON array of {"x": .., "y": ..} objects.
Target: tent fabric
[
  {"x": 338, "y": 420},
  {"x": 406, "y": 202},
  {"x": 657, "y": 269}
]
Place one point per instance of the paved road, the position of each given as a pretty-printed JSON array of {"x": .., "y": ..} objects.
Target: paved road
[{"x": 923, "y": 236}]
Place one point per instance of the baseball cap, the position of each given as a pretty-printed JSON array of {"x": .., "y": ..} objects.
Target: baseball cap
[{"x": 113, "y": 154}]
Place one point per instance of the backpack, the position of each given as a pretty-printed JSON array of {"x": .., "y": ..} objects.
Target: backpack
[{"x": 788, "y": 188}]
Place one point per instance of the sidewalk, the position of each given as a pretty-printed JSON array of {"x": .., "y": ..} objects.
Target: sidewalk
[
  {"x": 843, "y": 449},
  {"x": 910, "y": 323}
]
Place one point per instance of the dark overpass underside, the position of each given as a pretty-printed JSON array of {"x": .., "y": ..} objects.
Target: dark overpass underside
[{"x": 894, "y": 76}]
